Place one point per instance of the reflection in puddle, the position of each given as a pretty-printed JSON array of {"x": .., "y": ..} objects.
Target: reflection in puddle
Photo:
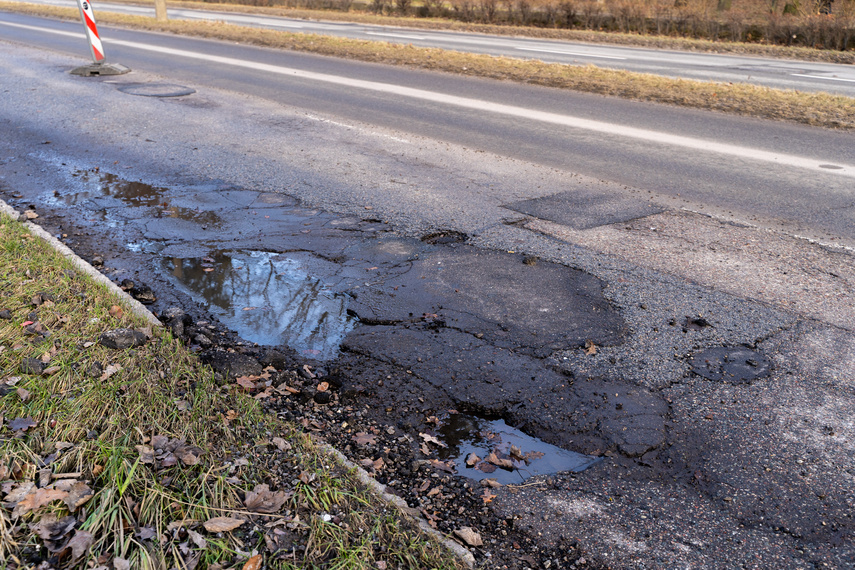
[
  {"x": 503, "y": 453},
  {"x": 269, "y": 299},
  {"x": 93, "y": 185}
]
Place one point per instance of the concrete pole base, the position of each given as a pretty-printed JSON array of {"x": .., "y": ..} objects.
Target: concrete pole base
[{"x": 98, "y": 69}]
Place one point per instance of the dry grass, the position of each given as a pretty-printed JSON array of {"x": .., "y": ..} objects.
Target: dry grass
[
  {"x": 86, "y": 429},
  {"x": 816, "y": 109},
  {"x": 588, "y": 36}
]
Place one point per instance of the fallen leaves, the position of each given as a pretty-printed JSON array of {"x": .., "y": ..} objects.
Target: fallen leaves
[
  {"x": 363, "y": 438},
  {"x": 469, "y": 536},
  {"x": 165, "y": 452},
  {"x": 222, "y": 524},
  {"x": 22, "y": 424},
  {"x": 431, "y": 439},
  {"x": 590, "y": 348},
  {"x": 254, "y": 563},
  {"x": 262, "y": 500}
]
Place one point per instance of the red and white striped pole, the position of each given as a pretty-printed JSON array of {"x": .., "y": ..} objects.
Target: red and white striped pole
[
  {"x": 99, "y": 67},
  {"x": 88, "y": 17}
]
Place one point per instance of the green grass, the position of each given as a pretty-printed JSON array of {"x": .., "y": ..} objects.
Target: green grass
[{"x": 87, "y": 430}]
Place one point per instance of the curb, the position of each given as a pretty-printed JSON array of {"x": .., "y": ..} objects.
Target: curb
[
  {"x": 459, "y": 550},
  {"x": 80, "y": 264}
]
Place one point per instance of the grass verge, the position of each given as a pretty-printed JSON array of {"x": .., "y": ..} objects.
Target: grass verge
[
  {"x": 816, "y": 109},
  {"x": 138, "y": 458},
  {"x": 588, "y": 36}
]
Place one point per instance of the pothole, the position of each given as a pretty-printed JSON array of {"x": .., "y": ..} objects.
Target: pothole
[
  {"x": 444, "y": 237},
  {"x": 482, "y": 449},
  {"x": 730, "y": 364},
  {"x": 156, "y": 89},
  {"x": 267, "y": 298}
]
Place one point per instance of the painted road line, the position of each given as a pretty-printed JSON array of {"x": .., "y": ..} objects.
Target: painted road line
[
  {"x": 562, "y": 52},
  {"x": 401, "y": 36},
  {"x": 823, "y": 77},
  {"x": 825, "y": 167}
]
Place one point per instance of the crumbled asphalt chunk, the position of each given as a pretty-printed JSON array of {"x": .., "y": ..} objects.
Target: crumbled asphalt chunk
[
  {"x": 143, "y": 294},
  {"x": 5, "y": 314},
  {"x": 32, "y": 366},
  {"x": 121, "y": 339},
  {"x": 232, "y": 364},
  {"x": 95, "y": 370}
]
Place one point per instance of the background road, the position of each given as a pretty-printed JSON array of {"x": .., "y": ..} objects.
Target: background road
[
  {"x": 777, "y": 73},
  {"x": 789, "y": 177}
]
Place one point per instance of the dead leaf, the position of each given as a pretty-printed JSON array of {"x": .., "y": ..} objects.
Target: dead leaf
[
  {"x": 516, "y": 453},
  {"x": 188, "y": 454},
  {"x": 472, "y": 460},
  {"x": 434, "y": 491},
  {"x": 249, "y": 308},
  {"x": 306, "y": 477},
  {"x": 79, "y": 494},
  {"x": 379, "y": 464},
  {"x": 51, "y": 370},
  {"x": 487, "y": 496},
  {"x": 79, "y": 544},
  {"x": 500, "y": 462},
  {"x": 197, "y": 539},
  {"x": 469, "y": 536},
  {"x": 486, "y": 467},
  {"x": 231, "y": 415},
  {"x": 253, "y": 563},
  {"x": 448, "y": 467},
  {"x": 23, "y": 394},
  {"x": 281, "y": 444},
  {"x": 21, "y": 491},
  {"x": 121, "y": 564},
  {"x": 116, "y": 311},
  {"x": 110, "y": 370},
  {"x": 323, "y": 387},
  {"x": 590, "y": 348},
  {"x": 146, "y": 454},
  {"x": 22, "y": 424},
  {"x": 37, "y": 499},
  {"x": 431, "y": 439},
  {"x": 363, "y": 438},
  {"x": 54, "y": 532},
  {"x": 262, "y": 500},
  {"x": 246, "y": 382},
  {"x": 532, "y": 455},
  {"x": 490, "y": 483},
  {"x": 222, "y": 524}
]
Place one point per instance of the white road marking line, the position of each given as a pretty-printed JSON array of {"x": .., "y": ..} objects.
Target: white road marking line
[
  {"x": 402, "y": 36},
  {"x": 655, "y": 137},
  {"x": 823, "y": 77},
  {"x": 562, "y": 52}
]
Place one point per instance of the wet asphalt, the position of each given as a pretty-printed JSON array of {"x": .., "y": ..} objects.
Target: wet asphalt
[{"x": 438, "y": 284}]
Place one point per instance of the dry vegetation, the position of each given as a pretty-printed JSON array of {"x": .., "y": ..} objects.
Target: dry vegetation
[{"x": 824, "y": 24}]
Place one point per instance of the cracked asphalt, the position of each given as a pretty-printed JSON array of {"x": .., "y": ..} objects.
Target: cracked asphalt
[{"x": 576, "y": 337}]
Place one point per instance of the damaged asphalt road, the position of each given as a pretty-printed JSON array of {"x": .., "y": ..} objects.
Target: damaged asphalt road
[{"x": 723, "y": 424}]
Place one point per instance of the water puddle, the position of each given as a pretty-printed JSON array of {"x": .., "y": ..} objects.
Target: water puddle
[
  {"x": 92, "y": 187},
  {"x": 482, "y": 449},
  {"x": 267, "y": 298}
]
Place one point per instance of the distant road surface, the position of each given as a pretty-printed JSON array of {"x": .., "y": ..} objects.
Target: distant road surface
[{"x": 776, "y": 73}]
